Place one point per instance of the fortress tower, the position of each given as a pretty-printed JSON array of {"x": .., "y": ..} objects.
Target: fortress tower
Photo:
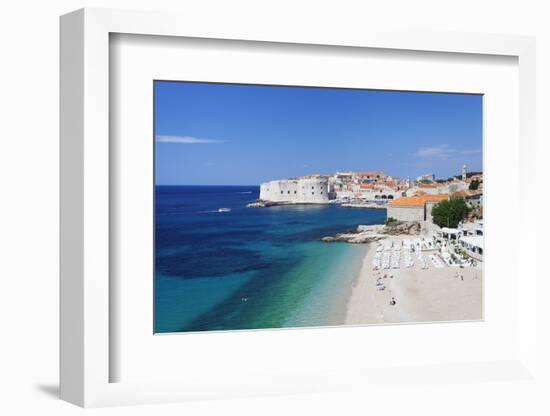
[
  {"x": 297, "y": 191},
  {"x": 463, "y": 172}
]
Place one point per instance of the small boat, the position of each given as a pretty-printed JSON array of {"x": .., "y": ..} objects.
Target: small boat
[{"x": 224, "y": 209}]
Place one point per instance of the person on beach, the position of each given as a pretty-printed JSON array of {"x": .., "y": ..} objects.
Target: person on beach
[{"x": 392, "y": 301}]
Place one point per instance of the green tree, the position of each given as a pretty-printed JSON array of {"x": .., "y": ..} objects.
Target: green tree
[
  {"x": 449, "y": 213},
  {"x": 391, "y": 222},
  {"x": 474, "y": 185}
]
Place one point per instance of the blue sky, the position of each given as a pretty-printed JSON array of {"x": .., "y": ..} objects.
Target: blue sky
[{"x": 226, "y": 134}]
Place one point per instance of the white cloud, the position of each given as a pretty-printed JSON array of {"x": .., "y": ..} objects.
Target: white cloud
[
  {"x": 443, "y": 152},
  {"x": 185, "y": 140},
  {"x": 438, "y": 152}
]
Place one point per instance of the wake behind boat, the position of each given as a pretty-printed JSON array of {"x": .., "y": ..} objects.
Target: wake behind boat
[{"x": 215, "y": 211}]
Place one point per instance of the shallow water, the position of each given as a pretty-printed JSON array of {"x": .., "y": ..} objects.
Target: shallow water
[{"x": 250, "y": 268}]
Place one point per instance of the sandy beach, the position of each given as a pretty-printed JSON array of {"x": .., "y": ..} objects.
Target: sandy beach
[{"x": 421, "y": 295}]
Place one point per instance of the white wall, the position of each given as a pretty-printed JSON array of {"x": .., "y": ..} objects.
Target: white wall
[
  {"x": 376, "y": 194},
  {"x": 429, "y": 207},
  {"x": 300, "y": 191},
  {"x": 454, "y": 187},
  {"x": 29, "y": 208},
  {"x": 405, "y": 213}
]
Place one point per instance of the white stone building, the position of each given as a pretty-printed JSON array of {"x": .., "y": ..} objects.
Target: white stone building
[
  {"x": 454, "y": 186},
  {"x": 406, "y": 213},
  {"x": 469, "y": 236},
  {"x": 437, "y": 189},
  {"x": 473, "y": 246},
  {"x": 421, "y": 189},
  {"x": 427, "y": 178},
  {"x": 297, "y": 191},
  {"x": 414, "y": 208},
  {"x": 376, "y": 193}
]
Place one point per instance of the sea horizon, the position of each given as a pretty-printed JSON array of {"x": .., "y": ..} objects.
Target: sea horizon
[{"x": 206, "y": 185}]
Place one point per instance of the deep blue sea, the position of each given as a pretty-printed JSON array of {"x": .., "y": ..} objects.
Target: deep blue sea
[{"x": 250, "y": 268}]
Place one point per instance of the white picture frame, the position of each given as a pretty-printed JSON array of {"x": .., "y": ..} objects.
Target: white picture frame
[{"x": 86, "y": 265}]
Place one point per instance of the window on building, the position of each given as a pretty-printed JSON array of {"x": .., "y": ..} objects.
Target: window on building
[
  {"x": 281, "y": 192},
  {"x": 321, "y": 192},
  {"x": 294, "y": 191},
  {"x": 288, "y": 191},
  {"x": 313, "y": 193}
]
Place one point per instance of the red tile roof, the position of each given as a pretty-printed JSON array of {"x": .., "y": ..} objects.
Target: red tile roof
[{"x": 418, "y": 201}]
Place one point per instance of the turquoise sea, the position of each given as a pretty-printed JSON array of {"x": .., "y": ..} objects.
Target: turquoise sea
[{"x": 250, "y": 268}]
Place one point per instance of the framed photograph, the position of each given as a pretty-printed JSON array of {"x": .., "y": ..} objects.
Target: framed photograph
[
  {"x": 254, "y": 212},
  {"x": 318, "y": 245}
]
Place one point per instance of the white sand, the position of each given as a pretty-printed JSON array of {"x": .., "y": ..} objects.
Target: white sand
[{"x": 421, "y": 295}]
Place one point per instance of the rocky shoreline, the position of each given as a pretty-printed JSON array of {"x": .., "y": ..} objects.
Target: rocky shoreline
[
  {"x": 363, "y": 206},
  {"x": 365, "y": 234}
]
